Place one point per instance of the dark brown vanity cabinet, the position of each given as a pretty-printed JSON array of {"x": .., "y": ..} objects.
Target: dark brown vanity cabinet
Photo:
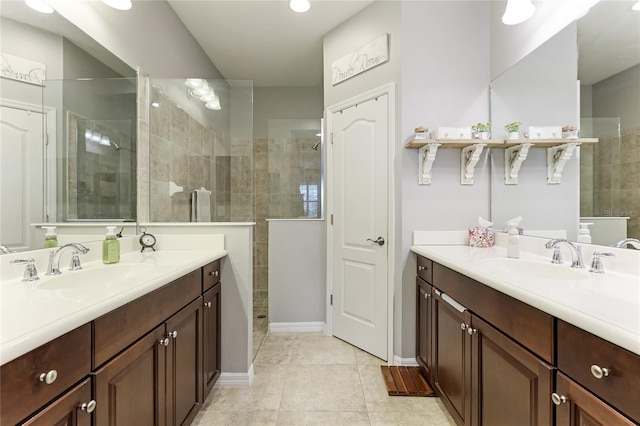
[
  {"x": 72, "y": 409},
  {"x": 211, "y": 365},
  {"x": 483, "y": 376},
  {"x": 424, "y": 329}
]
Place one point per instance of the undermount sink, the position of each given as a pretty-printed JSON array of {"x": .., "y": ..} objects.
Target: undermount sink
[
  {"x": 100, "y": 276},
  {"x": 546, "y": 271}
]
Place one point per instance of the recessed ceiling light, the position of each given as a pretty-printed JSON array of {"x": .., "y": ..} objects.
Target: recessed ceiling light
[
  {"x": 39, "y": 5},
  {"x": 300, "y": 6},
  {"x": 518, "y": 11},
  {"x": 118, "y": 4},
  {"x": 636, "y": 7}
]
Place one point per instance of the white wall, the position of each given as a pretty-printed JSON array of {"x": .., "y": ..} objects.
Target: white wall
[
  {"x": 150, "y": 35},
  {"x": 297, "y": 271},
  {"x": 284, "y": 103},
  {"x": 445, "y": 79}
]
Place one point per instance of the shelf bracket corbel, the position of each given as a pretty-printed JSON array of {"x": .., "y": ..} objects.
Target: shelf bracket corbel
[
  {"x": 557, "y": 157},
  {"x": 426, "y": 157},
  {"x": 469, "y": 157},
  {"x": 514, "y": 156}
]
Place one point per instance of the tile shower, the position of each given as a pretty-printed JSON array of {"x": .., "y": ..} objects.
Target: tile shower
[{"x": 251, "y": 179}]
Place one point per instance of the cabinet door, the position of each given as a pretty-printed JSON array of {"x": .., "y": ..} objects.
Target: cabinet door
[
  {"x": 423, "y": 329},
  {"x": 130, "y": 389},
  {"x": 578, "y": 407},
  {"x": 71, "y": 409},
  {"x": 510, "y": 386},
  {"x": 211, "y": 338},
  {"x": 452, "y": 359},
  {"x": 184, "y": 364}
]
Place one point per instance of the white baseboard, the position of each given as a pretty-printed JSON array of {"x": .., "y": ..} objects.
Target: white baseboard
[
  {"x": 293, "y": 327},
  {"x": 235, "y": 380},
  {"x": 407, "y": 362}
]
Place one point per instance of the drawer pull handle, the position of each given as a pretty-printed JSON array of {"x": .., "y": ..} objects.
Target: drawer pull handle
[
  {"x": 88, "y": 406},
  {"x": 463, "y": 326},
  {"x": 472, "y": 331},
  {"x": 164, "y": 342},
  {"x": 421, "y": 268},
  {"x": 558, "y": 399},
  {"x": 599, "y": 372},
  {"x": 49, "y": 377},
  {"x": 214, "y": 273},
  {"x": 207, "y": 304},
  {"x": 173, "y": 334}
]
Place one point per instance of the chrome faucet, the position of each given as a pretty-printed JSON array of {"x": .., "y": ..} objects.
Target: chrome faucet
[
  {"x": 5, "y": 249},
  {"x": 576, "y": 253},
  {"x": 635, "y": 243},
  {"x": 54, "y": 257}
]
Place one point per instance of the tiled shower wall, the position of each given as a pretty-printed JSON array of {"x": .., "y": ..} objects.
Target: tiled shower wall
[
  {"x": 182, "y": 151},
  {"x": 610, "y": 178},
  {"x": 282, "y": 166}
]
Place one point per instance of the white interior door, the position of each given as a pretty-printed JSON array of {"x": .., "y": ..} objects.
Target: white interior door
[
  {"x": 21, "y": 176},
  {"x": 360, "y": 182}
]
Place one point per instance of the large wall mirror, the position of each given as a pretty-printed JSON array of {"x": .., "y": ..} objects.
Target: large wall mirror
[
  {"x": 68, "y": 145},
  {"x": 601, "y": 183}
]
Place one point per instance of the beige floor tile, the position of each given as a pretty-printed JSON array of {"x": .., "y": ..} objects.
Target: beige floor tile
[
  {"x": 365, "y": 358},
  {"x": 323, "y": 388},
  {"x": 394, "y": 418},
  {"x": 264, "y": 394},
  {"x": 276, "y": 349},
  {"x": 236, "y": 418},
  {"x": 377, "y": 398},
  {"x": 315, "y": 418},
  {"x": 322, "y": 350}
]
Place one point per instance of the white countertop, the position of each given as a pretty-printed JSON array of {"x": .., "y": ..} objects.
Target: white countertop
[
  {"x": 34, "y": 313},
  {"x": 606, "y": 305}
]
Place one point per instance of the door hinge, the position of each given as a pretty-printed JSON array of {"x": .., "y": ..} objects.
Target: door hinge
[
  {"x": 332, "y": 219},
  {"x": 46, "y": 139},
  {"x": 331, "y": 300},
  {"x": 331, "y": 138}
]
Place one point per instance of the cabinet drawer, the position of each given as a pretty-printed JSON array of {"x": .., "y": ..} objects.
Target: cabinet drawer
[
  {"x": 210, "y": 275},
  {"x": 118, "y": 329},
  {"x": 525, "y": 324},
  {"x": 22, "y": 392},
  {"x": 66, "y": 409},
  {"x": 578, "y": 350},
  {"x": 425, "y": 269}
]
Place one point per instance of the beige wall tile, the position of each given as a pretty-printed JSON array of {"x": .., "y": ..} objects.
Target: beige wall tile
[
  {"x": 179, "y": 127},
  {"x": 160, "y": 154}
]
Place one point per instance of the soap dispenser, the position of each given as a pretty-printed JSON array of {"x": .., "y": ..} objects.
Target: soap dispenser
[
  {"x": 513, "y": 241},
  {"x": 111, "y": 247},
  {"x": 50, "y": 238},
  {"x": 584, "y": 234}
]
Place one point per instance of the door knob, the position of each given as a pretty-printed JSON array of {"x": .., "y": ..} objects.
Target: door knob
[{"x": 379, "y": 241}]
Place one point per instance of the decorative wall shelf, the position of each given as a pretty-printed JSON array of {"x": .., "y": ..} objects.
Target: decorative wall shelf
[{"x": 559, "y": 151}]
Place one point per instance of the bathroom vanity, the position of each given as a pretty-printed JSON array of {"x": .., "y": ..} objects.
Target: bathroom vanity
[
  {"x": 498, "y": 352},
  {"x": 149, "y": 355}
]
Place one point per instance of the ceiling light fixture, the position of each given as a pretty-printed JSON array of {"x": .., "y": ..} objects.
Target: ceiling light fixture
[
  {"x": 300, "y": 6},
  {"x": 118, "y": 4},
  {"x": 518, "y": 11},
  {"x": 215, "y": 104},
  {"x": 39, "y": 5},
  {"x": 199, "y": 88},
  {"x": 636, "y": 7}
]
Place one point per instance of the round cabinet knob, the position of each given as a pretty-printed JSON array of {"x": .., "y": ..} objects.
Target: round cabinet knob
[
  {"x": 173, "y": 334},
  {"x": 558, "y": 399},
  {"x": 427, "y": 295},
  {"x": 207, "y": 304},
  {"x": 463, "y": 326},
  {"x": 214, "y": 273},
  {"x": 49, "y": 377},
  {"x": 164, "y": 342},
  {"x": 472, "y": 331},
  {"x": 420, "y": 268},
  {"x": 88, "y": 406},
  {"x": 599, "y": 372}
]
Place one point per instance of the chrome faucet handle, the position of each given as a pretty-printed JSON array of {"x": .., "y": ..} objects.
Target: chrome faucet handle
[
  {"x": 75, "y": 264},
  {"x": 596, "y": 262},
  {"x": 557, "y": 256},
  {"x": 30, "y": 271},
  {"x": 577, "y": 261}
]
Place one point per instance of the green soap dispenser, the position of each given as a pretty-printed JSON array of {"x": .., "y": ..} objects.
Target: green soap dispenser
[
  {"x": 111, "y": 247},
  {"x": 50, "y": 238}
]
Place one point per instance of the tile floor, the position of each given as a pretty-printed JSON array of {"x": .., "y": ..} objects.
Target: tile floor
[{"x": 313, "y": 379}]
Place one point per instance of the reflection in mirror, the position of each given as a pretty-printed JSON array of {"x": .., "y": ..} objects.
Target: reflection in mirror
[
  {"x": 96, "y": 160},
  {"x": 609, "y": 183},
  {"x": 609, "y": 73}
]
